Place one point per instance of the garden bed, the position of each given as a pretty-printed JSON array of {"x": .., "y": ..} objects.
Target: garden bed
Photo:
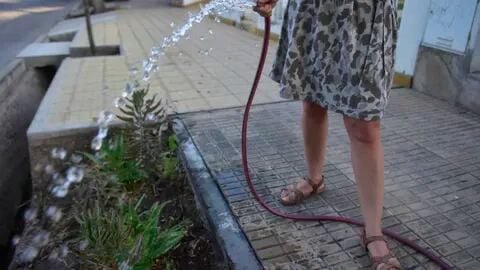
[{"x": 127, "y": 205}]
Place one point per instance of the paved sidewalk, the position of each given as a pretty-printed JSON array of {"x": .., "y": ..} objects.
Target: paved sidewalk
[{"x": 432, "y": 183}]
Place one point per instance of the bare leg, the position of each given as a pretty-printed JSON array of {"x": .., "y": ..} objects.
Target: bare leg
[
  {"x": 368, "y": 167},
  {"x": 315, "y": 130}
]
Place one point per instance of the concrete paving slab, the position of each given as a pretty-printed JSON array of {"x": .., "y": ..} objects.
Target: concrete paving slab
[
  {"x": 106, "y": 39},
  {"x": 65, "y": 30},
  {"x": 45, "y": 54},
  {"x": 432, "y": 182}
]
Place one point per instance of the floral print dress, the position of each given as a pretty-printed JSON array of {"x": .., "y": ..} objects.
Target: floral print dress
[{"x": 338, "y": 54}]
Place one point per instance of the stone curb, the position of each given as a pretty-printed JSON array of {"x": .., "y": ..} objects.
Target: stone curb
[
  {"x": 8, "y": 75},
  {"x": 213, "y": 205},
  {"x": 15, "y": 69}
]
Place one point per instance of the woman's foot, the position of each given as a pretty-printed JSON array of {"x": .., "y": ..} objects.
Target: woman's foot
[
  {"x": 302, "y": 190},
  {"x": 379, "y": 253}
]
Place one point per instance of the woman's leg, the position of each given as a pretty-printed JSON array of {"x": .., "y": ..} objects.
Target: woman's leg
[
  {"x": 368, "y": 168},
  {"x": 315, "y": 130}
]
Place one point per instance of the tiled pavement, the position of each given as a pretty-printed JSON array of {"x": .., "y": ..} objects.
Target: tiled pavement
[{"x": 432, "y": 183}]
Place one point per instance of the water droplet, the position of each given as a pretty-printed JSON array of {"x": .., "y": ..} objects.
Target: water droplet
[
  {"x": 16, "y": 240},
  {"x": 102, "y": 132},
  {"x": 83, "y": 245},
  {"x": 53, "y": 255},
  {"x": 151, "y": 117},
  {"x": 58, "y": 153},
  {"x": 64, "y": 251},
  {"x": 49, "y": 169},
  {"x": 75, "y": 174},
  {"x": 202, "y": 38},
  {"x": 96, "y": 143},
  {"x": 125, "y": 266},
  {"x": 119, "y": 102},
  {"x": 256, "y": 45},
  {"x": 60, "y": 191},
  {"x": 132, "y": 71},
  {"x": 146, "y": 75},
  {"x": 155, "y": 51},
  {"x": 130, "y": 87},
  {"x": 29, "y": 254},
  {"x": 187, "y": 37},
  {"x": 210, "y": 31},
  {"x": 105, "y": 117},
  {"x": 41, "y": 239},
  {"x": 54, "y": 213},
  {"x": 217, "y": 20},
  {"x": 172, "y": 24},
  {"x": 58, "y": 179},
  {"x": 75, "y": 158},
  {"x": 30, "y": 214}
]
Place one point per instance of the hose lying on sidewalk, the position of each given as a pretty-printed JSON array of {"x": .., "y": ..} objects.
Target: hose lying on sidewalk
[{"x": 300, "y": 217}]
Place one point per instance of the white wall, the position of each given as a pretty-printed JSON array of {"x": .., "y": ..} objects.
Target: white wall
[
  {"x": 474, "y": 44},
  {"x": 414, "y": 21}
]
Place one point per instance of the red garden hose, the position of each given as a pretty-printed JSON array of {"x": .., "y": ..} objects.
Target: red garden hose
[{"x": 300, "y": 217}]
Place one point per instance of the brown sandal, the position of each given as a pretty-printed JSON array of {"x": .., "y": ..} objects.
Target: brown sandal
[
  {"x": 386, "y": 262},
  {"x": 295, "y": 195}
]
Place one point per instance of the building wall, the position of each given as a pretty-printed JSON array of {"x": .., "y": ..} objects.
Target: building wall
[
  {"x": 446, "y": 76},
  {"x": 452, "y": 77}
]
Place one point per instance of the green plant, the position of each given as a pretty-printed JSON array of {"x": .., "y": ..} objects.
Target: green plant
[
  {"x": 169, "y": 162},
  {"x": 114, "y": 160},
  {"x": 147, "y": 119},
  {"x": 151, "y": 242},
  {"x": 126, "y": 234}
]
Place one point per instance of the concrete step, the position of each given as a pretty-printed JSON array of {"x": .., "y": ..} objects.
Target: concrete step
[
  {"x": 106, "y": 38},
  {"x": 65, "y": 30},
  {"x": 45, "y": 54}
]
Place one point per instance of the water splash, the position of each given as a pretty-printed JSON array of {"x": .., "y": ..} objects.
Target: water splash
[
  {"x": 49, "y": 169},
  {"x": 58, "y": 153},
  {"x": 64, "y": 250},
  {"x": 16, "y": 240},
  {"x": 54, "y": 213},
  {"x": 125, "y": 266},
  {"x": 83, "y": 245},
  {"x": 75, "y": 174},
  {"x": 41, "y": 239},
  {"x": 119, "y": 102},
  {"x": 76, "y": 158},
  {"x": 29, "y": 254},
  {"x": 31, "y": 214}
]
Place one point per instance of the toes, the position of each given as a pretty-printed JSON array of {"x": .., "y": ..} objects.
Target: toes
[{"x": 284, "y": 193}]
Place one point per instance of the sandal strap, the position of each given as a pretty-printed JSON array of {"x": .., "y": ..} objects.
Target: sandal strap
[
  {"x": 370, "y": 239},
  {"x": 315, "y": 186}
]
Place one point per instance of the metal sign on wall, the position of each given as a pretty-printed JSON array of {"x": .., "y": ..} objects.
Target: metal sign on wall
[{"x": 449, "y": 24}]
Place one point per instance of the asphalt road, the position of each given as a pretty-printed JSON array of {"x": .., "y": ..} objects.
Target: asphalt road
[{"x": 23, "y": 21}]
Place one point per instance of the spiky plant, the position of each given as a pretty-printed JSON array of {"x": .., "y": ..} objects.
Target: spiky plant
[{"x": 147, "y": 119}]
